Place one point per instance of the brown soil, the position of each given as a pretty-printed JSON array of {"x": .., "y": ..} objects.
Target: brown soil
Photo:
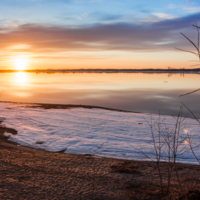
[{"x": 27, "y": 173}]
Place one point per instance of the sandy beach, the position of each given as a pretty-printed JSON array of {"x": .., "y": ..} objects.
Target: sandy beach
[{"x": 28, "y": 173}]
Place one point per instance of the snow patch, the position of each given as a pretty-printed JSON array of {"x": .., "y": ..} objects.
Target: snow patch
[{"x": 90, "y": 131}]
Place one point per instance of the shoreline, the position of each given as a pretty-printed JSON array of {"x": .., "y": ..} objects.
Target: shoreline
[
  {"x": 65, "y": 106},
  {"x": 169, "y": 71},
  {"x": 27, "y": 173}
]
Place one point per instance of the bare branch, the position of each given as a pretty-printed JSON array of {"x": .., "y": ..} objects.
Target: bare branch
[
  {"x": 189, "y": 93},
  {"x": 195, "y": 65},
  {"x": 191, "y": 42},
  {"x": 192, "y": 112},
  {"x": 198, "y": 37},
  {"x": 196, "y": 26},
  {"x": 187, "y": 51}
]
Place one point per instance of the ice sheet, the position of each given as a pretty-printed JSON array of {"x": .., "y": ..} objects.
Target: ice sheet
[{"x": 92, "y": 131}]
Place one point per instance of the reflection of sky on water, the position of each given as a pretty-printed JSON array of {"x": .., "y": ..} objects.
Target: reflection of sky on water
[{"x": 134, "y": 92}]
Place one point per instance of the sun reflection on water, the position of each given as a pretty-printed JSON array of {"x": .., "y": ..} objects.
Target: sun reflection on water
[{"x": 21, "y": 78}]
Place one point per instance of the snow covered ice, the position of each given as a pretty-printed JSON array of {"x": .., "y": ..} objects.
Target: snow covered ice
[{"x": 98, "y": 132}]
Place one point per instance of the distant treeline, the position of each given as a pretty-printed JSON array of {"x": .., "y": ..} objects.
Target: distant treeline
[{"x": 196, "y": 70}]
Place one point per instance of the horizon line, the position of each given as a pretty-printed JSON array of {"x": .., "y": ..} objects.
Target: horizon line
[{"x": 100, "y": 70}]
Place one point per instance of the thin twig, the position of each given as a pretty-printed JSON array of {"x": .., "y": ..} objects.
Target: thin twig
[
  {"x": 175, "y": 149},
  {"x": 196, "y": 26},
  {"x": 93, "y": 184},
  {"x": 198, "y": 37},
  {"x": 191, "y": 113},
  {"x": 195, "y": 65},
  {"x": 190, "y": 41},
  {"x": 187, "y": 51},
  {"x": 189, "y": 92}
]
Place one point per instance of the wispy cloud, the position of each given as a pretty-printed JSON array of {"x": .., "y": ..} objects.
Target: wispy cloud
[
  {"x": 164, "y": 15},
  {"x": 150, "y": 19},
  {"x": 156, "y": 36},
  {"x": 192, "y": 9},
  {"x": 188, "y": 8},
  {"x": 158, "y": 17},
  {"x": 20, "y": 46}
]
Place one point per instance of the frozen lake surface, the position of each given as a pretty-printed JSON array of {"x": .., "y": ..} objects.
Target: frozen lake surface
[{"x": 98, "y": 132}]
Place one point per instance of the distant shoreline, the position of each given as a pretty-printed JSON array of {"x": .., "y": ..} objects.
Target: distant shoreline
[{"x": 181, "y": 71}]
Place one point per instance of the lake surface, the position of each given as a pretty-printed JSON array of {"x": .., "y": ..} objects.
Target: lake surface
[{"x": 137, "y": 92}]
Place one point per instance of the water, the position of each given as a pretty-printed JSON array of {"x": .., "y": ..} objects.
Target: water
[{"x": 137, "y": 92}]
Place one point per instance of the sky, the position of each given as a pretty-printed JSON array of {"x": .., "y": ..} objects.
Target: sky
[{"x": 67, "y": 34}]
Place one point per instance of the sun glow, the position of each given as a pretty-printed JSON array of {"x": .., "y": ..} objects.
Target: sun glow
[
  {"x": 20, "y": 62},
  {"x": 21, "y": 78}
]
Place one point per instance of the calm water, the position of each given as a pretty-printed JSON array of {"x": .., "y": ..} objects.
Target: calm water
[{"x": 149, "y": 93}]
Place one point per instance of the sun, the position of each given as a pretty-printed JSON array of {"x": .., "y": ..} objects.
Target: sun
[{"x": 20, "y": 62}]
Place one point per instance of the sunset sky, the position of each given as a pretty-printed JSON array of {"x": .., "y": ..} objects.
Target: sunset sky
[{"x": 44, "y": 34}]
